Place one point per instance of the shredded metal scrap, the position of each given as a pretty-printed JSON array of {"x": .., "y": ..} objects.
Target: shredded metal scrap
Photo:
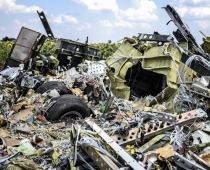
[{"x": 145, "y": 107}]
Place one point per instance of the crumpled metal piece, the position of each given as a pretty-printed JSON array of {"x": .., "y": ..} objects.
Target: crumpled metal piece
[
  {"x": 17, "y": 107},
  {"x": 29, "y": 82},
  {"x": 25, "y": 163},
  {"x": 163, "y": 152},
  {"x": 71, "y": 75},
  {"x": 23, "y": 114},
  {"x": 53, "y": 93},
  {"x": 10, "y": 72},
  {"x": 144, "y": 147},
  {"x": 23, "y": 127},
  {"x": 200, "y": 84},
  {"x": 200, "y": 137}
]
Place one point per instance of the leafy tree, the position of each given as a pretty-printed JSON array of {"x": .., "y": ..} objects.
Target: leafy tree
[
  {"x": 7, "y": 39},
  {"x": 106, "y": 49}
]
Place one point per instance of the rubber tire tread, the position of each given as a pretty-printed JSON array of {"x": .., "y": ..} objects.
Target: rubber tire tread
[
  {"x": 67, "y": 103},
  {"x": 50, "y": 85}
]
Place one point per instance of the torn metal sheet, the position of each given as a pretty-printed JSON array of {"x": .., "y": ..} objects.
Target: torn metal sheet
[
  {"x": 11, "y": 141},
  {"x": 17, "y": 107},
  {"x": 123, "y": 59},
  {"x": 154, "y": 140},
  {"x": 29, "y": 82},
  {"x": 22, "y": 115},
  {"x": 200, "y": 137},
  {"x": 23, "y": 128},
  {"x": 164, "y": 152}
]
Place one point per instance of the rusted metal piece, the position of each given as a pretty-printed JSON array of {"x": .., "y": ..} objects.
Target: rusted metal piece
[{"x": 152, "y": 129}]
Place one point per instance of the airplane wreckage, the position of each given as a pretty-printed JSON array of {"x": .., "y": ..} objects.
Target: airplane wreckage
[{"x": 147, "y": 106}]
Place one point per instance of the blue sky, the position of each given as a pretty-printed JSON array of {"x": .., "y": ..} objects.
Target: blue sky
[{"x": 102, "y": 20}]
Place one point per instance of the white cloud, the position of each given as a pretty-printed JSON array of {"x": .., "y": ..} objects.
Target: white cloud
[
  {"x": 196, "y": 9},
  {"x": 143, "y": 10},
  {"x": 34, "y": 20},
  {"x": 18, "y": 23},
  {"x": 181, "y": 11},
  {"x": 204, "y": 24},
  {"x": 105, "y": 23},
  {"x": 194, "y": 12},
  {"x": 139, "y": 14},
  {"x": 10, "y": 6},
  {"x": 145, "y": 25},
  {"x": 84, "y": 26},
  {"x": 63, "y": 18},
  {"x": 198, "y": 1},
  {"x": 193, "y": 2},
  {"x": 122, "y": 23},
  {"x": 99, "y": 4},
  {"x": 202, "y": 12},
  {"x": 128, "y": 24}
]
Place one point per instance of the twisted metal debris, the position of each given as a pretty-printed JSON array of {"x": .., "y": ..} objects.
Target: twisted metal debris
[{"x": 145, "y": 107}]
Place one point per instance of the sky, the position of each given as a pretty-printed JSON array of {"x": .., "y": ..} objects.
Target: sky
[{"x": 102, "y": 20}]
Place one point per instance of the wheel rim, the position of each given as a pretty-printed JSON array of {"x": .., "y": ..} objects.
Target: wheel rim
[{"x": 72, "y": 115}]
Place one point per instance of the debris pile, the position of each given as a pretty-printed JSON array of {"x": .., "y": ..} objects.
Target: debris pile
[{"x": 145, "y": 107}]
